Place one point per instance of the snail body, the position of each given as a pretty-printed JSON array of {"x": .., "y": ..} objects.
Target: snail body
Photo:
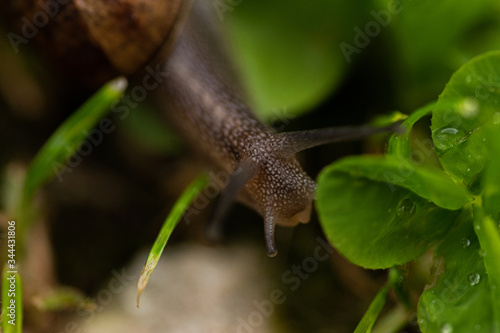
[
  {"x": 213, "y": 116},
  {"x": 201, "y": 97}
]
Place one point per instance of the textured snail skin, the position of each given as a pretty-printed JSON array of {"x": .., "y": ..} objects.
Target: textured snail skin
[{"x": 200, "y": 97}]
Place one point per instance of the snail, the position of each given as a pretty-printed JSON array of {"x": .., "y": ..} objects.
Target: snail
[{"x": 199, "y": 95}]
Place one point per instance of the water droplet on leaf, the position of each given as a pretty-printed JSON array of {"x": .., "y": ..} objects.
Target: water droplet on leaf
[
  {"x": 465, "y": 242},
  {"x": 468, "y": 107},
  {"x": 496, "y": 118},
  {"x": 406, "y": 208},
  {"x": 446, "y": 138},
  {"x": 446, "y": 328},
  {"x": 474, "y": 279}
]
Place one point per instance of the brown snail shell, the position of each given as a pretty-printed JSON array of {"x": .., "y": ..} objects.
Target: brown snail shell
[{"x": 92, "y": 41}]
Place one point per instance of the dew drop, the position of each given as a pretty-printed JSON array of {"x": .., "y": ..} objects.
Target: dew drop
[
  {"x": 474, "y": 279},
  {"x": 468, "y": 79},
  {"x": 446, "y": 328},
  {"x": 406, "y": 208},
  {"x": 447, "y": 137},
  {"x": 468, "y": 107},
  {"x": 477, "y": 327},
  {"x": 465, "y": 242},
  {"x": 496, "y": 118}
]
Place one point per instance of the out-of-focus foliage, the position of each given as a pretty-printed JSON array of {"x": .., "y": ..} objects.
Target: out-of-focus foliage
[
  {"x": 294, "y": 53},
  {"x": 289, "y": 50}
]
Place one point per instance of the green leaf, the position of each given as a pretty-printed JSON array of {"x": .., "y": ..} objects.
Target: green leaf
[
  {"x": 489, "y": 239},
  {"x": 464, "y": 296},
  {"x": 12, "y": 301},
  {"x": 395, "y": 171},
  {"x": 468, "y": 105},
  {"x": 374, "y": 223},
  {"x": 460, "y": 298},
  {"x": 486, "y": 220},
  {"x": 171, "y": 221},
  {"x": 491, "y": 180},
  {"x": 68, "y": 138}
]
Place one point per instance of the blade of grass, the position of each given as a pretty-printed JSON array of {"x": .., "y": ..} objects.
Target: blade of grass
[
  {"x": 63, "y": 144},
  {"x": 393, "y": 321},
  {"x": 68, "y": 138},
  {"x": 11, "y": 188},
  {"x": 12, "y": 301},
  {"x": 60, "y": 299},
  {"x": 171, "y": 221},
  {"x": 371, "y": 315}
]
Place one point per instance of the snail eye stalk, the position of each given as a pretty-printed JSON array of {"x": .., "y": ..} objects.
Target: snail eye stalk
[
  {"x": 269, "y": 227},
  {"x": 295, "y": 142},
  {"x": 243, "y": 172}
]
